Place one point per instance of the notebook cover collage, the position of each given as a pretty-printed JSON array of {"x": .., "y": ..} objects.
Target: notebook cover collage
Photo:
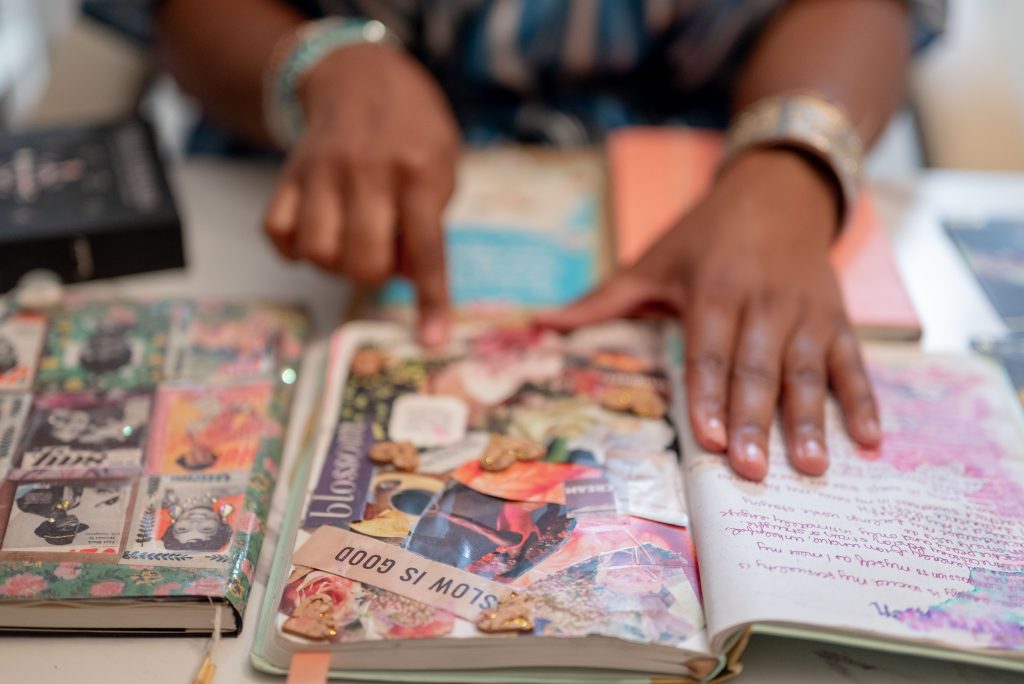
[
  {"x": 139, "y": 442},
  {"x": 594, "y": 523}
]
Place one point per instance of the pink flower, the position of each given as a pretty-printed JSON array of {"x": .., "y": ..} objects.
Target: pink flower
[
  {"x": 25, "y": 584},
  {"x": 270, "y": 467},
  {"x": 342, "y": 591},
  {"x": 247, "y": 569},
  {"x": 248, "y": 522},
  {"x": 166, "y": 589},
  {"x": 338, "y": 588},
  {"x": 425, "y": 623},
  {"x": 68, "y": 571},
  {"x": 108, "y": 588},
  {"x": 206, "y": 586}
]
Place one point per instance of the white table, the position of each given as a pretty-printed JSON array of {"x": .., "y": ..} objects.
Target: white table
[{"x": 228, "y": 256}]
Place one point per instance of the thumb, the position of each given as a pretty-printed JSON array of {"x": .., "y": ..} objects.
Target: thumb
[{"x": 620, "y": 296}]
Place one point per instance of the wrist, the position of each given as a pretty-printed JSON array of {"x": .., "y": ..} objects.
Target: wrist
[
  {"x": 788, "y": 183},
  {"x": 295, "y": 56},
  {"x": 323, "y": 83},
  {"x": 807, "y": 124}
]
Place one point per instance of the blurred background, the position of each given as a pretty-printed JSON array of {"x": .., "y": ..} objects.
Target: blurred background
[{"x": 62, "y": 62}]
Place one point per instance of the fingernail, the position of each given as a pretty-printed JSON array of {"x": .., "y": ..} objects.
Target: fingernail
[
  {"x": 872, "y": 432},
  {"x": 433, "y": 332},
  {"x": 752, "y": 454},
  {"x": 813, "y": 450},
  {"x": 716, "y": 432}
]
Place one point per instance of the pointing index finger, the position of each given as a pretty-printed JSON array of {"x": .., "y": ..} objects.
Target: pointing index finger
[{"x": 422, "y": 244}]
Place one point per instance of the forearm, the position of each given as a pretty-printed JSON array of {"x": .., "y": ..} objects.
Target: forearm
[
  {"x": 218, "y": 52},
  {"x": 852, "y": 52}
]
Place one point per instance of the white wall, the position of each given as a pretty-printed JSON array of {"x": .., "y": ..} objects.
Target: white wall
[
  {"x": 26, "y": 30},
  {"x": 970, "y": 88}
]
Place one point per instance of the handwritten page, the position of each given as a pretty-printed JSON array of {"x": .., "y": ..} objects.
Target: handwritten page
[{"x": 921, "y": 540}]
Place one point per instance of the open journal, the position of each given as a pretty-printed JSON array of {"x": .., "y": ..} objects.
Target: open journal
[{"x": 513, "y": 509}]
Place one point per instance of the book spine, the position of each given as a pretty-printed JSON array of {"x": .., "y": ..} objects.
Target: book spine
[
  {"x": 95, "y": 254},
  {"x": 264, "y": 474}
]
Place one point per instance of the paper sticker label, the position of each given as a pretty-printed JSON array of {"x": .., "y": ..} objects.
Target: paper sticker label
[
  {"x": 209, "y": 429},
  {"x": 382, "y": 565},
  {"x": 428, "y": 420},
  {"x": 222, "y": 341},
  {"x": 593, "y": 496},
  {"x": 648, "y": 485},
  {"x": 84, "y": 434},
  {"x": 445, "y": 459},
  {"x": 340, "y": 494},
  {"x": 68, "y": 517},
  {"x": 101, "y": 346},
  {"x": 189, "y": 520}
]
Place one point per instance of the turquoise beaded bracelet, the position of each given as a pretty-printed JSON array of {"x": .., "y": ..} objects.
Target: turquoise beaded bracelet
[{"x": 294, "y": 58}]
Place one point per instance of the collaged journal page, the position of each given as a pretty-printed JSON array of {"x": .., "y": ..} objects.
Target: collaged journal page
[
  {"x": 587, "y": 518},
  {"x": 920, "y": 541}
]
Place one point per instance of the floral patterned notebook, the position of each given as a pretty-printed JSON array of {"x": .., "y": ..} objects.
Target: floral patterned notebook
[{"x": 139, "y": 443}]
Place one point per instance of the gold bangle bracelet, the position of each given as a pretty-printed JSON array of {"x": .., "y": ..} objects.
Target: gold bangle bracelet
[{"x": 809, "y": 124}]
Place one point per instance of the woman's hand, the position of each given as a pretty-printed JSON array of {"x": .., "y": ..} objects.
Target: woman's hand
[
  {"x": 364, "y": 188},
  {"x": 748, "y": 269}
]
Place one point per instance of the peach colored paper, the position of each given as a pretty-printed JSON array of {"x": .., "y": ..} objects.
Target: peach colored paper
[
  {"x": 536, "y": 481},
  {"x": 657, "y": 174},
  {"x": 229, "y": 421},
  {"x": 309, "y": 668}
]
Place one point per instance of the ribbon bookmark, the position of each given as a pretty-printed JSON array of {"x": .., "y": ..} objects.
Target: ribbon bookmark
[{"x": 208, "y": 667}]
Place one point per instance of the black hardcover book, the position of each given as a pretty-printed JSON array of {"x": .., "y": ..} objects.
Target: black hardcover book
[{"x": 87, "y": 203}]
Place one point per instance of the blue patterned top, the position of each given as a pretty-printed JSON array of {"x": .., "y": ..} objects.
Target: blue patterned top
[{"x": 567, "y": 71}]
